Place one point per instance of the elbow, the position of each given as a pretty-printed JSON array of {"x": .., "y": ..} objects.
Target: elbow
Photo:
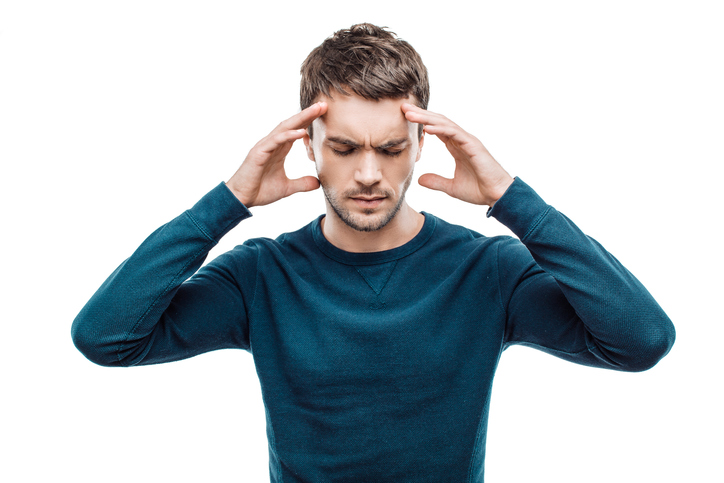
[
  {"x": 90, "y": 343},
  {"x": 653, "y": 346}
]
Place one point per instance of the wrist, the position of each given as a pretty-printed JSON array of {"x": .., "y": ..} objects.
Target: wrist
[
  {"x": 501, "y": 187},
  {"x": 243, "y": 199}
]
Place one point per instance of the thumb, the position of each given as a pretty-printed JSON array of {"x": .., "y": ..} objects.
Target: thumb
[
  {"x": 305, "y": 183},
  {"x": 435, "y": 182}
]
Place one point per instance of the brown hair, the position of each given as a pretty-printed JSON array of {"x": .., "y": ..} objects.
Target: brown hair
[{"x": 367, "y": 60}]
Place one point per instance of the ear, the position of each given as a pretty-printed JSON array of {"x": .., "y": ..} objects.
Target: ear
[
  {"x": 419, "y": 148},
  {"x": 308, "y": 145}
]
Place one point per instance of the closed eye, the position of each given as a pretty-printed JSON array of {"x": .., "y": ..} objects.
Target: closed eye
[
  {"x": 386, "y": 152},
  {"x": 390, "y": 153},
  {"x": 345, "y": 152}
]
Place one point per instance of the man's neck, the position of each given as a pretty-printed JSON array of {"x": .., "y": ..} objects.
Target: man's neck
[{"x": 401, "y": 229}]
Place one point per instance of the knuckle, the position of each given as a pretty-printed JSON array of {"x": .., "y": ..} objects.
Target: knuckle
[{"x": 281, "y": 138}]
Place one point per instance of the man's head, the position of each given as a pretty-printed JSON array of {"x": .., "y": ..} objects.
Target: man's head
[
  {"x": 365, "y": 153},
  {"x": 363, "y": 146},
  {"x": 368, "y": 61}
]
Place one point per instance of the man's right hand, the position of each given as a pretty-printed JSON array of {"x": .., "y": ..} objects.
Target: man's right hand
[{"x": 261, "y": 178}]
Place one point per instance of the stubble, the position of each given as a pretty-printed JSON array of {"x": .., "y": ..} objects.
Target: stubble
[{"x": 364, "y": 222}]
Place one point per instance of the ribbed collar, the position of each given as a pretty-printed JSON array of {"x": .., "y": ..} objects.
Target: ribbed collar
[{"x": 372, "y": 258}]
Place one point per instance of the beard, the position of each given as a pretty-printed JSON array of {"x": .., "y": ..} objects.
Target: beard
[{"x": 367, "y": 221}]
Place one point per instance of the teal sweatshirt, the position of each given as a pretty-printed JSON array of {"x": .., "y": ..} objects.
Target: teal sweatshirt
[{"x": 375, "y": 366}]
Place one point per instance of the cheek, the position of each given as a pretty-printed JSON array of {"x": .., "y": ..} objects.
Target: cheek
[
  {"x": 403, "y": 170},
  {"x": 331, "y": 170}
]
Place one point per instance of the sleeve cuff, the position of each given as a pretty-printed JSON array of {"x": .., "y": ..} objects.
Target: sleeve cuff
[
  {"x": 520, "y": 208},
  {"x": 218, "y": 212}
]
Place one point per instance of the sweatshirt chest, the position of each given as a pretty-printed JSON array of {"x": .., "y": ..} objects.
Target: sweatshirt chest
[{"x": 401, "y": 322}]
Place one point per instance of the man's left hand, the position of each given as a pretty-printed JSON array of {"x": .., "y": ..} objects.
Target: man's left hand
[{"x": 478, "y": 177}]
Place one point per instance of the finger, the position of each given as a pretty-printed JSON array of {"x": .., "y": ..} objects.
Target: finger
[
  {"x": 408, "y": 107},
  {"x": 417, "y": 114},
  {"x": 443, "y": 138},
  {"x": 276, "y": 140},
  {"x": 305, "y": 183},
  {"x": 435, "y": 182},
  {"x": 448, "y": 132},
  {"x": 438, "y": 125},
  {"x": 303, "y": 119}
]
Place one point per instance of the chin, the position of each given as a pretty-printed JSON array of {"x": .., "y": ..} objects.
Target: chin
[
  {"x": 368, "y": 222},
  {"x": 365, "y": 220}
]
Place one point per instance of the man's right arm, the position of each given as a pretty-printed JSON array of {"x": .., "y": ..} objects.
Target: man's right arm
[
  {"x": 151, "y": 309},
  {"x": 148, "y": 312}
]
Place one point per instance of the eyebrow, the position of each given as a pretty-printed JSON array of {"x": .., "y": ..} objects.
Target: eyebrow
[{"x": 348, "y": 142}]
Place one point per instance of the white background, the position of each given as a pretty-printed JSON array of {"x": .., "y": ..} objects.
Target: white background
[{"x": 117, "y": 116}]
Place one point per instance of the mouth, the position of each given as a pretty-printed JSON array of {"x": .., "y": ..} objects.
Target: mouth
[{"x": 368, "y": 201}]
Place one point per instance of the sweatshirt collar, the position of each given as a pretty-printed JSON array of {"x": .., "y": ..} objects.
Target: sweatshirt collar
[{"x": 372, "y": 258}]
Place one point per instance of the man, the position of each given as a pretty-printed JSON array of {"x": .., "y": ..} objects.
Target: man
[{"x": 375, "y": 329}]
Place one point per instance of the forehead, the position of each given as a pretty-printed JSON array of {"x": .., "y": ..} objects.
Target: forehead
[{"x": 362, "y": 119}]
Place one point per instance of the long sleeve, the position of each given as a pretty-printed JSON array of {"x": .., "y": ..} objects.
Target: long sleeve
[
  {"x": 152, "y": 310},
  {"x": 567, "y": 296}
]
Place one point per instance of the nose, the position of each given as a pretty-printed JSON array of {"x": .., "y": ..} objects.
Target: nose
[{"x": 369, "y": 171}]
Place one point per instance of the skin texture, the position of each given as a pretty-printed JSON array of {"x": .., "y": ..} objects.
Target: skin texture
[
  {"x": 261, "y": 179},
  {"x": 365, "y": 152},
  {"x": 478, "y": 177}
]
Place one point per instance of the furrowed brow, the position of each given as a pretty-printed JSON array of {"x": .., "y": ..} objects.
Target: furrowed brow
[
  {"x": 392, "y": 143},
  {"x": 347, "y": 142}
]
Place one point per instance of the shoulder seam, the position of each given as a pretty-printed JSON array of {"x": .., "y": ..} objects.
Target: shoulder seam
[
  {"x": 256, "y": 283},
  {"x": 497, "y": 276}
]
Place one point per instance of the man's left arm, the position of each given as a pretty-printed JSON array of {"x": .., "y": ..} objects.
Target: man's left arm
[
  {"x": 566, "y": 295},
  {"x": 563, "y": 292}
]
